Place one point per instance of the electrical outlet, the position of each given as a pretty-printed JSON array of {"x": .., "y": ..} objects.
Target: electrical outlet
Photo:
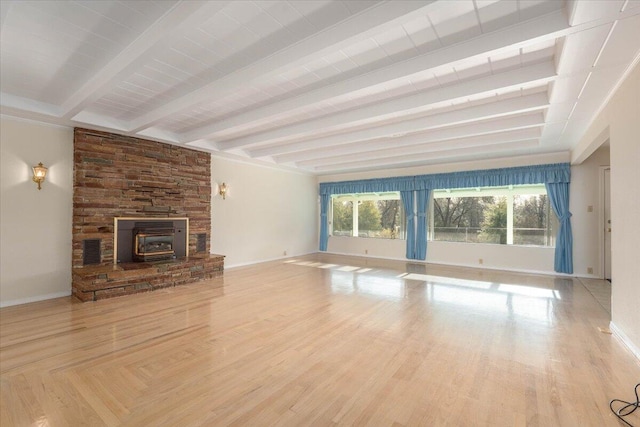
[
  {"x": 589, "y": 208},
  {"x": 480, "y": 261},
  {"x": 366, "y": 251},
  {"x": 589, "y": 270},
  {"x": 284, "y": 253}
]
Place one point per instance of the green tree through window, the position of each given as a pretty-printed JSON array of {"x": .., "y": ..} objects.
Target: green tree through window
[
  {"x": 368, "y": 216},
  {"x": 494, "y": 226},
  {"x": 379, "y": 215},
  {"x": 343, "y": 218}
]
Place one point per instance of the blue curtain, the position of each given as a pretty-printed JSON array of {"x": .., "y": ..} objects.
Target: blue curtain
[
  {"x": 422, "y": 200},
  {"x": 324, "y": 221},
  {"x": 407, "y": 202},
  {"x": 559, "y": 197}
]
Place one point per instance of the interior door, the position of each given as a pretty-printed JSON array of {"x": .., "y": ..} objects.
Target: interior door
[{"x": 607, "y": 224}]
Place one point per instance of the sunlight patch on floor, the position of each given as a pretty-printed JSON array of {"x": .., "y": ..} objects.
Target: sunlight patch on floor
[
  {"x": 347, "y": 268},
  {"x": 448, "y": 280}
]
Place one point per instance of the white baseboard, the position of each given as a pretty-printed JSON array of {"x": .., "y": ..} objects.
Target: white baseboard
[
  {"x": 36, "y": 298},
  {"x": 624, "y": 339}
]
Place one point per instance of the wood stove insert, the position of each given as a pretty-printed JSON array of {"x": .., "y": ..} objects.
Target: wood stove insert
[
  {"x": 150, "y": 239},
  {"x": 152, "y": 244}
]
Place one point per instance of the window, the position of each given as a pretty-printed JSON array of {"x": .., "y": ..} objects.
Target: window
[
  {"x": 342, "y": 217},
  {"x": 519, "y": 215},
  {"x": 378, "y": 215},
  {"x": 534, "y": 222}
]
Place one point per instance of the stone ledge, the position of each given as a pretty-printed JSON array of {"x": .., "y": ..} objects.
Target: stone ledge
[{"x": 92, "y": 283}]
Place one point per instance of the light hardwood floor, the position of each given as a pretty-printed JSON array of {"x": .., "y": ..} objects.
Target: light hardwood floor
[{"x": 319, "y": 340}]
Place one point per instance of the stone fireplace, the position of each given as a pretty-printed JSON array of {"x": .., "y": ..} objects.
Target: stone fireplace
[{"x": 141, "y": 215}]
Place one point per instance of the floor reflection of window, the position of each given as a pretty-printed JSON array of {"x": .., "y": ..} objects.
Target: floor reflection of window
[
  {"x": 475, "y": 298},
  {"x": 533, "y": 308},
  {"x": 522, "y": 301},
  {"x": 387, "y": 287},
  {"x": 449, "y": 281},
  {"x": 354, "y": 282},
  {"x": 535, "y": 303}
]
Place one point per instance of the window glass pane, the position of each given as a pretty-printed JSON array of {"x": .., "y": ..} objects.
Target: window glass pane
[
  {"x": 533, "y": 221},
  {"x": 377, "y": 215},
  {"x": 379, "y": 218},
  {"x": 461, "y": 219},
  {"x": 481, "y": 215},
  {"x": 494, "y": 224},
  {"x": 368, "y": 219},
  {"x": 391, "y": 218},
  {"x": 342, "y": 218}
]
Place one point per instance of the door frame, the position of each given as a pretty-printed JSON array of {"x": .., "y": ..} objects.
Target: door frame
[{"x": 601, "y": 224}]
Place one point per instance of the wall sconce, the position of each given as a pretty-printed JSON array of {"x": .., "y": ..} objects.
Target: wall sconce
[
  {"x": 39, "y": 173},
  {"x": 222, "y": 190}
]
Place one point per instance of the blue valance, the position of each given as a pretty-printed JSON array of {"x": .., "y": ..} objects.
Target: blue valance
[
  {"x": 379, "y": 185},
  {"x": 537, "y": 174}
]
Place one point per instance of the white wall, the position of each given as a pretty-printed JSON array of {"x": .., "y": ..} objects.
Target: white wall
[
  {"x": 267, "y": 212},
  {"x": 518, "y": 258},
  {"x": 585, "y": 192},
  {"x": 35, "y": 226},
  {"x": 621, "y": 117}
]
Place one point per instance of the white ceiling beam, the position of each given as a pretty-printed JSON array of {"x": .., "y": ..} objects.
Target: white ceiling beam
[
  {"x": 20, "y": 105},
  {"x": 109, "y": 124},
  {"x": 428, "y": 146},
  {"x": 183, "y": 16},
  {"x": 306, "y": 149},
  {"x": 454, "y": 132},
  {"x": 392, "y": 109},
  {"x": 510, "y": 38},
  {"x": 359, "y": 27},
  {"x": 160, "y": 135},
  {"x": 511, "y": 148},
  {"x": 99, "y": 122},
  {"x": 581, "y": 12}
]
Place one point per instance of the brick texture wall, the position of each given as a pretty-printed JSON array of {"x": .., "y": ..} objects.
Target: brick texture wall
[{"x": 121, "y": 176}]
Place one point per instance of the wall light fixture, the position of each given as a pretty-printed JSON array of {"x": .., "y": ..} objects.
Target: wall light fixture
[
  {"x": 222, "y": 190},
  {"x": 39, "y": 173}
]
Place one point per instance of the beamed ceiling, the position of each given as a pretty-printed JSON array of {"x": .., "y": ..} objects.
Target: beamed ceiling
[{"x": 323, "y": 86}]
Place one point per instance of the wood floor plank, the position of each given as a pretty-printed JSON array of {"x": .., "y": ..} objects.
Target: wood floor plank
[{"x": 320, "y": 340}]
